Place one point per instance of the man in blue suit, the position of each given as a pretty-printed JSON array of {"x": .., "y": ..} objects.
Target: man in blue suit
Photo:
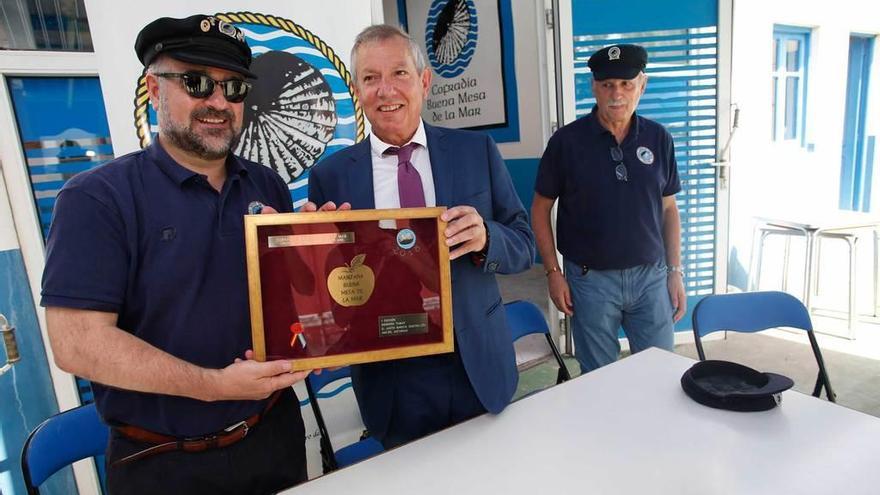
[{"x": 404, "y": 163}]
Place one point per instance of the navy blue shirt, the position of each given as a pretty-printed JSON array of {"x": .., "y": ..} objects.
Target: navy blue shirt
[
  {"x": 152, "y": 241},
  {"x": 604, "y": 223}
]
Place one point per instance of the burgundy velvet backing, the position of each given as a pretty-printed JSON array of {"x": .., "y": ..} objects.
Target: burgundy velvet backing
[{"x": 294, "y": 288}]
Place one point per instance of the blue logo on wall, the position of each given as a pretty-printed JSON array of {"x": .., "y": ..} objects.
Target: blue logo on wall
[
  {"x": 302, "y": 110},
  {"x": 451, "y": 35}
]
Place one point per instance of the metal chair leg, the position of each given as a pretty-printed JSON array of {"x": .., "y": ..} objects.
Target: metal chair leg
[
  {"x": 563, "y": 374},
  {"x": 785, "y": 258},
  {"x": 762, "y": 236},
  {"x": 876, "y": 312},
  {"x": 809, "y": 263},
  {"x": 822, "y": 379},
  {"x": 818, "y": 263},
  {"x": 853, "y": 311},
  {"x": 755, "y": 259}
]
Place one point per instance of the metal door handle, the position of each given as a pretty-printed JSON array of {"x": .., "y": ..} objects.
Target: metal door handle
[{"x": 12, "y": 355}]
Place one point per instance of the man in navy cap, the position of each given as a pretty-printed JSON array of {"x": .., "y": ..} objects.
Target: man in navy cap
[
  {"x": 145, "y": 285},
  {"x": 618, "y": 227}
]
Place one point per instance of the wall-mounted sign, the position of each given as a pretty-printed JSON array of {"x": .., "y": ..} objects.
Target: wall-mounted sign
[{"x": 463, "y": 41}]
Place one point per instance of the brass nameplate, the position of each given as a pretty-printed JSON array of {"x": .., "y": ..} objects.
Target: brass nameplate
[
  {"x": 277, "y": 241},
  {"x": 398, "y": 325}
]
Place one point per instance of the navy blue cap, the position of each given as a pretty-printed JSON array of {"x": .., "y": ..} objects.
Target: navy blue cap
[
  {"x": 733, "y": 386},
  {"x": 618, "y": 62},
  {"x": 198, "y": 39}
]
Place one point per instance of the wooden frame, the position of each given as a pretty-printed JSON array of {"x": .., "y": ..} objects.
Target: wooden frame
[{"x": 348, "y": 287}]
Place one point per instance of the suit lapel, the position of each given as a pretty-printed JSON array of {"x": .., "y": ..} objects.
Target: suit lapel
[
  {"x": 441, "y": 165},
  {"x": 360, "y": 172}
]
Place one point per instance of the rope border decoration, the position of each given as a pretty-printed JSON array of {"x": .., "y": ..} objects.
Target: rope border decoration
[{"x": 141, "y": 98}]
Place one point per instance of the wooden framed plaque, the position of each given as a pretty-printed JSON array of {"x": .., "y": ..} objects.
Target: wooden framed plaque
[{"x": 336, "y": 288}]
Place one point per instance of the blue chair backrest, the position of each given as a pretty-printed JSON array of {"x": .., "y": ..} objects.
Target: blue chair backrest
[
  {"x": 61, "y": 440},
  {"x": 750, "y": 312},
  {"x": 756, "y": 311},
  {"x": 524, "y": 318},
  {"x": 318, "y": 382}
]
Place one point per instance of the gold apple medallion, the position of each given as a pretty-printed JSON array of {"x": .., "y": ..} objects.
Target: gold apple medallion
[{"x": 352, "y": 284}]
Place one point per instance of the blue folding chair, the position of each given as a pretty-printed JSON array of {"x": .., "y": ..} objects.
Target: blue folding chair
[
  {"x": 524, "y": 318},
  {"x": 750, "y": 312},
  {"x": 331, "y": 459},
  {"x": 62, "y": 440}
]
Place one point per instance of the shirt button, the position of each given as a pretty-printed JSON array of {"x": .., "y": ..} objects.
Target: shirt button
[{"x": 493, "y": 266}]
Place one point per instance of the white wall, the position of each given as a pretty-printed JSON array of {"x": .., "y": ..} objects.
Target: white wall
[
  {"x": 531, "y": 81},
  {"x": 776, "y": 179}
]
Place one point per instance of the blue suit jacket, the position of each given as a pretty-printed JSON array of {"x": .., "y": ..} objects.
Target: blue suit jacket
[{"x": 467, "y": 170}]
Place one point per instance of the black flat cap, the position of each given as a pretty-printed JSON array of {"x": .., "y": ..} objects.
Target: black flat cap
[
  {"x": 732, "y": 386},
  {"x": 198, "y": 39},
  {"x": 618, "y": 62}
]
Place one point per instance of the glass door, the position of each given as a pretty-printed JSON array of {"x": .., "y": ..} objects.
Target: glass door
[
  {"x": 60, "y": 129},
  {"x": 688, "y": 44}
]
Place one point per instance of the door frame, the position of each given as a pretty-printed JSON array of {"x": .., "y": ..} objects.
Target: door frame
[
  {"x": 24, "y": 214},
  {"x": 564, "y": 103},
  {"x": 725, "y": 115}
]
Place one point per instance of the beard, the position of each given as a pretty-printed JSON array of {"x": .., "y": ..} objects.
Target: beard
[{"x": 211, "y": 144}]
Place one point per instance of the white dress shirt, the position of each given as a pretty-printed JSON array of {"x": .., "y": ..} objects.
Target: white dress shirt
[{"x": 385, "y": 191}]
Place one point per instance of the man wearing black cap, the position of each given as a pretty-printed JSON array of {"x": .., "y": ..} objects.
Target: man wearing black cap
[
  {"x": 615, "y": 175},
  {"x": 146, "y": 288}
]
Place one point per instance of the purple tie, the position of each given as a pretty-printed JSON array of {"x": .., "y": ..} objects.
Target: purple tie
[{"x": 409, "y": 182}]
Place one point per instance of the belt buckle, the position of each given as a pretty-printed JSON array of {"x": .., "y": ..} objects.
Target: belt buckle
[{"x": 231, "y": 428}]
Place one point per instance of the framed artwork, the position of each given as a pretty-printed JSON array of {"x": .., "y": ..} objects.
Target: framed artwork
[{"x": 331, "y": 289}]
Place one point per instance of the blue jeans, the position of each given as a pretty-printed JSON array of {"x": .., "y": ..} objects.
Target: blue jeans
[{"x": 604, "y": 300}]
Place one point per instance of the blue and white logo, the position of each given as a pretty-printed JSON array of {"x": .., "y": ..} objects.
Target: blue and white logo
[
  {"x": 301, "y": 111},
  {"x": 614, "y": 53},
  {"x": 645, "y": 155},
  {"x": 451, "y": 35},
  {"x": 406, "y": 239}
]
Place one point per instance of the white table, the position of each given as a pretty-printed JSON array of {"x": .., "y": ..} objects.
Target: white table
[
  {"x": 843, "y": 225},
  {"x": 628, "y": 428}
]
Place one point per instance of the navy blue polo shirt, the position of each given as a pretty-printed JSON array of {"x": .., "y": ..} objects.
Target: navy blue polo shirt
[
  {"x": 603, "y": 223},
  {"x": 152, "y": 241}
]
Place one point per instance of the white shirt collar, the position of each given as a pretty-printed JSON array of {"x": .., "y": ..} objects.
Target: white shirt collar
[{"x": 378, "y": 146}]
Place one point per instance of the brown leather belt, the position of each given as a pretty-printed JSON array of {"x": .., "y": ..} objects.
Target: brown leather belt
[{"x": 166, "y": 443}]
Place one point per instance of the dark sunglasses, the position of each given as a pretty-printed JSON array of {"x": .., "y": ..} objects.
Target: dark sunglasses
[
  {"x": 620, "y": 170},
  {"x": 201, "y": 86}
]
